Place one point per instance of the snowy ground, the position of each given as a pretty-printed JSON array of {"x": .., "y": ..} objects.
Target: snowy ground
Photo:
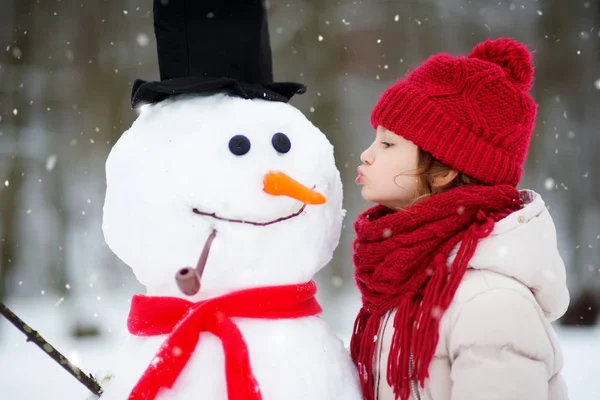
[{"x": 27, "y": 373}]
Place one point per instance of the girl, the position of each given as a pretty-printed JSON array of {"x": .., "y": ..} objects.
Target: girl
[{"x": 459, "y": 272}]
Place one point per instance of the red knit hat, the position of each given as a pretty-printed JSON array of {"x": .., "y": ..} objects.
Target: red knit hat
[{"x": 472, "y": 113}]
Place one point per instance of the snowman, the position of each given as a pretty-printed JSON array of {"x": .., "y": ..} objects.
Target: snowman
[{"x": 225, "y": 201}]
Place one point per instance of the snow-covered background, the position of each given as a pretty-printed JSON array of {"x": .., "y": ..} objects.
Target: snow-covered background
[{"x": 66, "y": 70}]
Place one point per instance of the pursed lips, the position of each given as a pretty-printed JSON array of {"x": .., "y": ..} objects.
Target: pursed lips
[{"x": 360, "y": 176}]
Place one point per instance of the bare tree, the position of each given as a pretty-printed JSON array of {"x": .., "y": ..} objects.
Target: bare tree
[{"x": 13, "y": 112}]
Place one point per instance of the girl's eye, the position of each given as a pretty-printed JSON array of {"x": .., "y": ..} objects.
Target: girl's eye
[{"x": 386, "y": 144}]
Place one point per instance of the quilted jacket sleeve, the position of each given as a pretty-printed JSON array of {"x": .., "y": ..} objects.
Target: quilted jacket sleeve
[{"x": 500, "y": 349}]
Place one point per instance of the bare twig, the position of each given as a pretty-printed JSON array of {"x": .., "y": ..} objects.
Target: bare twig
[{"x": 33, "y": 336}]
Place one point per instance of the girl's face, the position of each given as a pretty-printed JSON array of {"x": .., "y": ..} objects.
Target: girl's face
[{"x": 388, "y": 175}]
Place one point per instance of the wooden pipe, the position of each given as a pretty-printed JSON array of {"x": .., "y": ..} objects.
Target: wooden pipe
[
  {"x": 188, "y": 278},
  {"x": 188, "y": 281}
]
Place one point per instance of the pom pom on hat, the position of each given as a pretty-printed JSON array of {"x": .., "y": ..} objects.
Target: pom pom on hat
[{"x": 511, "y": 55}]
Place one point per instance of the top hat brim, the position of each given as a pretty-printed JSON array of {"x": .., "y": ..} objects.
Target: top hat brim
[{"x": 154, "y": 92}]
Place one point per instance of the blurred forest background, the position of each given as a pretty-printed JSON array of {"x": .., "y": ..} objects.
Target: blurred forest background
[{"x": 66, "y": 70}]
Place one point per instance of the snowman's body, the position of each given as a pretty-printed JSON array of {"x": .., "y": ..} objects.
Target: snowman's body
[
  {"x": 176, "y": 161},
  {"x": 291, "y": 359}
]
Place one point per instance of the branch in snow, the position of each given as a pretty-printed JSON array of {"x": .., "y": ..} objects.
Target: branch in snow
[{"x": 33, "y": 336}]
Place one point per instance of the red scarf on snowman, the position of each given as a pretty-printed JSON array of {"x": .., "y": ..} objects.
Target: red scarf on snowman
[
  {"x": 183, "y": 321},
  {"x": 400, "y": 263}
]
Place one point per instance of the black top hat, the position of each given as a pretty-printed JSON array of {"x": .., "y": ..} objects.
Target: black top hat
[{"x": 213, "y": 46}]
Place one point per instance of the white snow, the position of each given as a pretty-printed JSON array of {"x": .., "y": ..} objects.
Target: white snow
[{"x": 27, "y": 373}]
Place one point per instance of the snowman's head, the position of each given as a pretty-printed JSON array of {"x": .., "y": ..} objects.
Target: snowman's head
[{"x": 252, "y": 170}]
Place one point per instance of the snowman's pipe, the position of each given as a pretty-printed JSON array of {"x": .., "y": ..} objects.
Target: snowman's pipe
[
  {"x": 32, "y": 336},
  {"x": 188, "y": 278}
]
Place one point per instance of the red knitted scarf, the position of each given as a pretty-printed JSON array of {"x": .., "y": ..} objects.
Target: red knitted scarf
[
  {"x": 400, "y": 262},
  {"x": 184, "y": 320}
]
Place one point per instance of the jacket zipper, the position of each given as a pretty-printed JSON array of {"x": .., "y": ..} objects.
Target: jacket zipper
[
  {"x": 414, "y": 384},
  {"x": 415, "y": 393}
]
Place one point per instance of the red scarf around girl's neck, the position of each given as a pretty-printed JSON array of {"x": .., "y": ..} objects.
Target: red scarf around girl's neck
[
  {"x": 400, "y": 260},
  {"x": 183, "y": 321}
]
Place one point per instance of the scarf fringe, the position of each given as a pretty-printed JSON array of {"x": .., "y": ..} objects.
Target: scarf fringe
[
  {"x": 400, "y": 354},
  {"x": 362, "y": 348}
]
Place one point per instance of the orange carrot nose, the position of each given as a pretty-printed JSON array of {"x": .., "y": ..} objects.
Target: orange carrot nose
[{"x": 279, "y": 184}]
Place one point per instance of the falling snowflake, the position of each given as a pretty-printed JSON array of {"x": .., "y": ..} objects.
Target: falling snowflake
[
  {"x": 50, "y": 162},
  {"x": 177, "y": 351},
  {"x": 336, "y": 281},
  {"x": 74, "y": 358},
  {"x": 142, "y": 39},
  {"x": 436, "y": 312}
]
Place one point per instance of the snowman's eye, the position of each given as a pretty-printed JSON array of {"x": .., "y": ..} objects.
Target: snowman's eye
[
  {"x": 239, "y": 145},
  {"x": 281, "y": 143}
]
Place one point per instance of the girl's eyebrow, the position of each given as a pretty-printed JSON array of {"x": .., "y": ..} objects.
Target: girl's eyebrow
[{"x": 386, "y": 134}]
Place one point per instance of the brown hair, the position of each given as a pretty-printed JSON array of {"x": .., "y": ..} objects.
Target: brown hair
[{"x": 427, "y": 168}]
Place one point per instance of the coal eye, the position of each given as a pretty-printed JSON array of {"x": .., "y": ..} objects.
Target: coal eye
[
  {"x": 239, "y": 145},
  {"x": 281, "y": 143}
]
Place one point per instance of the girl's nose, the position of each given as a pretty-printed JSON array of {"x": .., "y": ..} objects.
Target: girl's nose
[{"x": 366, "y": 157}]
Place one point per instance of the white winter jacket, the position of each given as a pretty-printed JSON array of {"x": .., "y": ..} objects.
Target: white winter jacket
[{"x": 496, "y": 342}]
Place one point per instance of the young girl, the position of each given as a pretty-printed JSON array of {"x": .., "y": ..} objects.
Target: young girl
[{"x": 459, "y": 272}]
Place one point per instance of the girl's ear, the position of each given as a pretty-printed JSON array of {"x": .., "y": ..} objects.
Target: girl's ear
[{"x": 443, "y": 178}]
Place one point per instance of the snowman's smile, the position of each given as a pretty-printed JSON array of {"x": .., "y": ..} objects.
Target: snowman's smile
[
  {"x": 277, "y": 184},
  {"x": 256, "y": 223}
]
